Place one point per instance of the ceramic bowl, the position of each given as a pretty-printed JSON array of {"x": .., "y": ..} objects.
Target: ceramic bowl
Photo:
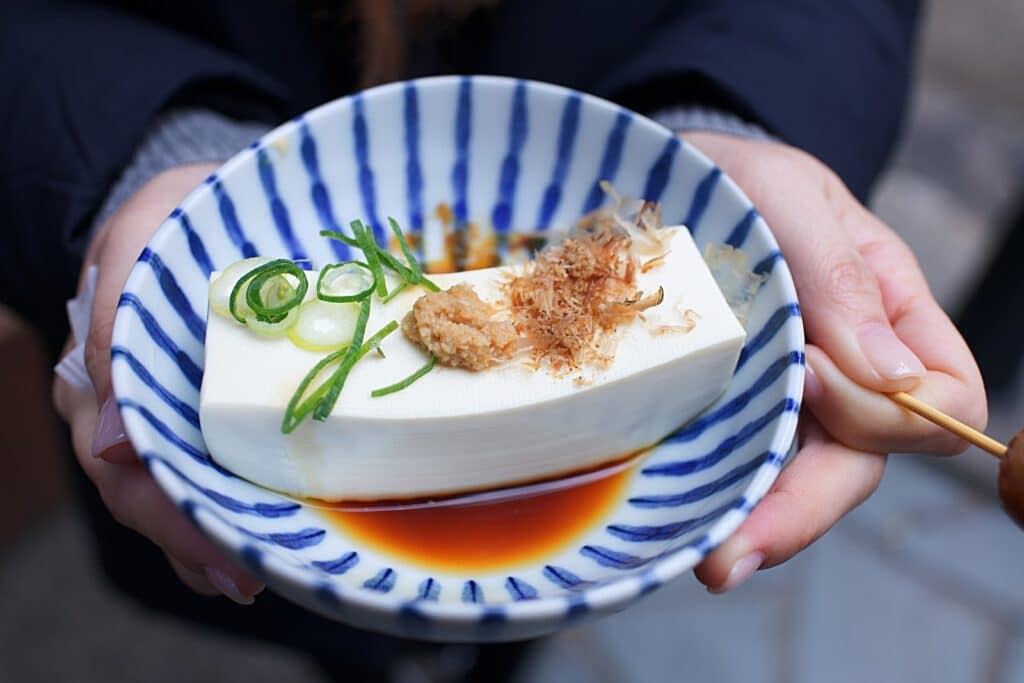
[{"x": 512, "y": 155}]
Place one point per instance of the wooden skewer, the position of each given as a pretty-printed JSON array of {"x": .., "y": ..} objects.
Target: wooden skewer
[{"x": 982, "y": 441}]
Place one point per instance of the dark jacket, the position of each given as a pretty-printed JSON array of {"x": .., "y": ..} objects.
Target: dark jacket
[{"x": 81, "y": 81}]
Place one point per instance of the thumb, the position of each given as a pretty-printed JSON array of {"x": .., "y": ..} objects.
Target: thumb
[{"x": 844, "y": 312}]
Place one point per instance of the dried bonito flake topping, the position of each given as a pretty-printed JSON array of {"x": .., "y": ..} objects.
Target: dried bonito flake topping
[
  {"x": 460, "y": 329},
  {"x": 569, "y": 301}
]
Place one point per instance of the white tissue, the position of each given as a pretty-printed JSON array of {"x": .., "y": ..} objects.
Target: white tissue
[{"x": 71, "y": 367}]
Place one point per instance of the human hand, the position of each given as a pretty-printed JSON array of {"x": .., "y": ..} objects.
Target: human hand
[
  {"x": 873, "y": 327},
  {"x": 98, "y": 438}
]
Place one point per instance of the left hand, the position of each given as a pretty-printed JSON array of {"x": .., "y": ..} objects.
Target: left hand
[{"x": 873, "y": 327}]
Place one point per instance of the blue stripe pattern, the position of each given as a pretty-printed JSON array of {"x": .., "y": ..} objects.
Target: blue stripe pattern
[
  {"x": 563, "y": 155},
  {"x": 563, "y": 578},
  {"x": 520, "y": 589},
  {"x": 382, "y": 582},
  {"x": 258, "y": 509},
  {"x": 318, "y": 193},
  {"x": 658, "y": 176},
  {"x": 175, "y": 297},
  {"x": 471, "y": 592},
  {"x": 501, "y": 215},
  {"x": 767, "y": 332},
  {"x": 731, "y": 443},
  {"x": 278, "y": 210},
  {"x": 666, "y": 532},
  {"x": 226, "y": 207},
  {"x": 614, "y": 559},
  {"x": 460, "y": 171},
  {"x": 338, "y": 566},
  {"x": 195, "y": 243},
  {"x": 735, "y": 405},
  {"x": 193, "y": 373},
  {"x": 293, "y": 540},
  {"x": 699, "y": 493},
  {"x": 701, "y": 199},
  {"x": 413, "y": 171},
  {"x": 182, "y": 408},
  {"x": 429, "y": 590},
  {"x": 739, "y": 233},
  {"x": 367, "y": 189},
  {"x": 610, "y": 161},
  {"x": 170, "y": 435}
]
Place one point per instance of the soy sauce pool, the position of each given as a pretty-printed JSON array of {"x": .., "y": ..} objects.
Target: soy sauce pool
[{"x": 485, "y": 531}]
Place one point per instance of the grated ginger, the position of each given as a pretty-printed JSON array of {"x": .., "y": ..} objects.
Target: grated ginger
[{"x": 459, "y": 329}]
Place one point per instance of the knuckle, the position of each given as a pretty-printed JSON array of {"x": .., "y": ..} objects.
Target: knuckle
[
  {"x": 846, "y": 280},
  {"x": 97, "y": 345}
]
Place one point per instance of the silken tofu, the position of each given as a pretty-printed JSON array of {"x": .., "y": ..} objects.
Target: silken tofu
[{"x": 455, "y": 430}]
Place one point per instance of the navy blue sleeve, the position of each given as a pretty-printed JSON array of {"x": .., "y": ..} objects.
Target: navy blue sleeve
[
  {"x": 830, "y": 77},
  {"x": 79, "y": 85}
]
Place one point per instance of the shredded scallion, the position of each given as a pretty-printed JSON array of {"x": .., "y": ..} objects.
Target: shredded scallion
[
  {"x": 414, "y": 264},
  {"x": 402, "y": 384},
  {"x": 369, "y": 247}
]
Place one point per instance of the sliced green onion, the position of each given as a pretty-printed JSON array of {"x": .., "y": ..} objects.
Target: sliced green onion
[
  {"x": 337, "y": 380},
  {"x": 374, "y": 341},
  {"x": 372, "y": 253},
  {"x": 298, "y": 408},
  {"x": 345, "y": 282},
  {"x": 402, "y": 384},
  {"x": 395, "y": 292},
  {"x": 270, "y": 295},
  {"x": 386, "y": 258},
  {"x": 296, "y": 411},
  {"x": 221, "y": 287},
  {"x": 414, "y": 265},
  {"x": 260, "y": 282},
  {"x": 323, "y": 327},
  {"x": 340, "y": 236},
  {"x": 278, "y": 328}
]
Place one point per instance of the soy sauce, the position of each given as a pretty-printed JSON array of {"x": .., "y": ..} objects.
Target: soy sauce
[{"x": 485, "y": 531}]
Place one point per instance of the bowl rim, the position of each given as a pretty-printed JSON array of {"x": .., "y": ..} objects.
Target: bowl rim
[{"x": 602, "y": 596}]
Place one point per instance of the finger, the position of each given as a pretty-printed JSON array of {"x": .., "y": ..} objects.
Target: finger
[
  {"x": 839, "y": 294},
  {"x": 195, "y": 581},
  {"x": 922, "y": 324},
  {"x": 840, "y": 298},
  {"x": 134, "y": 499},
  {"x": 824, "y": 482},
  {"x": 867, "y": 420},
  {"x": 123, "y": 239}
]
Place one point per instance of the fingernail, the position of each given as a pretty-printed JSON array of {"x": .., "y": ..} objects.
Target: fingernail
[
  {"x": 226, "y": 585},
  {"x": 740, "y": 572},
  {"x": 109, "y": 429},
  {"x": 889, "y": 356}
]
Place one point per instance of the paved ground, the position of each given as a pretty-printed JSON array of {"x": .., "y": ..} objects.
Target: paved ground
[{"x": 920, "y": 584}]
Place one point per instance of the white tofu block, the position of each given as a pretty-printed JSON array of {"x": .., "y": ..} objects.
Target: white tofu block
[{"x": 455, "y": 430}]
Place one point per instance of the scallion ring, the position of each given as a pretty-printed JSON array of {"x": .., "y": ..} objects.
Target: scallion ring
[
  {"x": 346, "y": 282},
  {"x": 269, "y": 293}
]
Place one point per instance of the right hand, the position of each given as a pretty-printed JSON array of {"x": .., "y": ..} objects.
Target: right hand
[{"x": 98, "y": 439}]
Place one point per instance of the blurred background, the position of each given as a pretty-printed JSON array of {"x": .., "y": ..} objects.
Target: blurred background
[{"x": 922, "y": 583}]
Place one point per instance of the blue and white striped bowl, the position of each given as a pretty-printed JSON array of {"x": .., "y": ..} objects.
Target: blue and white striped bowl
[{"x": 514, "y": 155}]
